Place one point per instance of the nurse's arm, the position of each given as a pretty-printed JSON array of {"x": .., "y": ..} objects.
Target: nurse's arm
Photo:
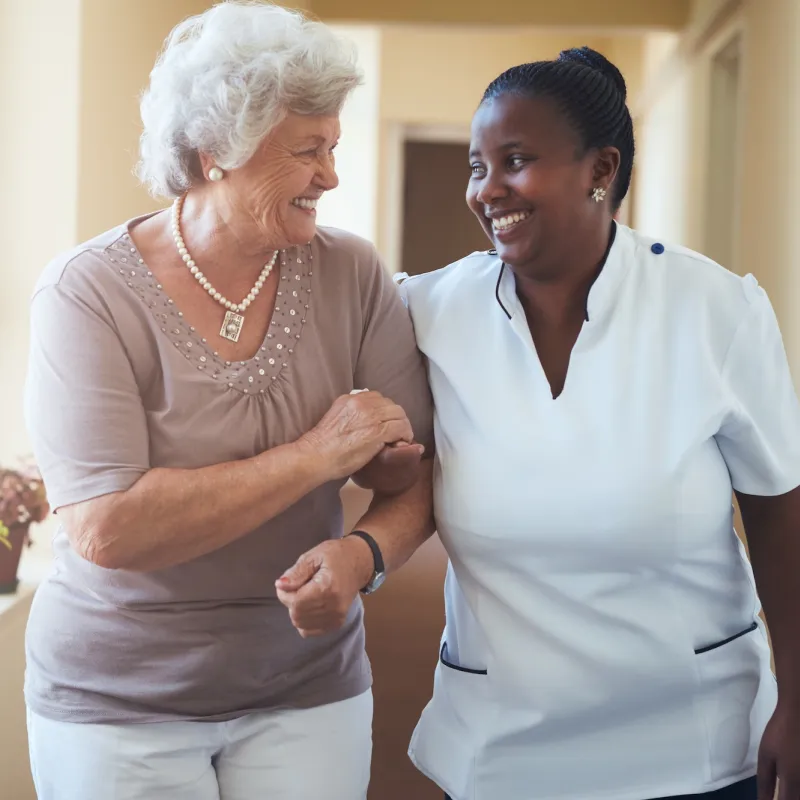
[
  {"x": 393, "y": 471},
  {"x": 320, "y": 588},
  {"x": 772, "y": 525}
]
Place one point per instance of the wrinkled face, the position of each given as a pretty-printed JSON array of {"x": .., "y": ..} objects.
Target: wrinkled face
[
  {"x": 530, "y": 185},
  {"x": 278, "y": 188}
]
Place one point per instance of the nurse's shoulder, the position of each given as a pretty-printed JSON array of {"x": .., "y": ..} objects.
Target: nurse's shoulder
[
  {"x": 687, "y": 280},
  {"x": 428, "y": 292}
]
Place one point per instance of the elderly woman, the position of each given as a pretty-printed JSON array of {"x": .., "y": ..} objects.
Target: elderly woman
[{"x": 202, "y": 383}]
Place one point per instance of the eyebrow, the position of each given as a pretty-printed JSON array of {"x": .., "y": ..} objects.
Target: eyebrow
[
  {"x": 506, "y": 146},
  {"x": 316, "y": 138}
]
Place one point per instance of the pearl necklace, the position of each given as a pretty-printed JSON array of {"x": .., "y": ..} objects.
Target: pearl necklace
[{"x": 234, "y": 316}]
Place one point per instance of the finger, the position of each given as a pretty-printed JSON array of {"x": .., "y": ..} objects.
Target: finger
[
  {"x": 766, "y": 777},
  {"x": 308, "y": 634},
  {"x": 365, "y": 398},
  {"x": 326, "y": 621},
  {"x": 299, "y": 575},
  {"x": 397, "y": 430},
  {"x": 376, "y": 403},
  {"x": 400, "y": 455},
  {"x": 287, "y": 598},
  {"x": 314, "y": 594}
]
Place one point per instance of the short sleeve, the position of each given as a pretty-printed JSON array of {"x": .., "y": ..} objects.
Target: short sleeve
[
  {"x": 83, "y": 410},
  {"x": 760, "y": 437},
  {"x": 389, "y": 361}
]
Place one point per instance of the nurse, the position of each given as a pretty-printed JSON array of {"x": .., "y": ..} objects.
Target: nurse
[{"x": 599, "y": 397}]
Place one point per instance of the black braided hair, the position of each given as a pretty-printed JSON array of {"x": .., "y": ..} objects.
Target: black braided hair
[{"x": 590, "y": 91}]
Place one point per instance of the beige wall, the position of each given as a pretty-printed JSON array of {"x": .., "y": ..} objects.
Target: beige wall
[
  {"x": 435, "y": 76},
  {"x": 609, "y": 13},
  {"x": 39, "y": 91},
  {"x": 670, "y": 163},
  {"x": 672, "y": 186},
  {"x": 770, "y": 170},
  {"x": 121, "y": 40}
]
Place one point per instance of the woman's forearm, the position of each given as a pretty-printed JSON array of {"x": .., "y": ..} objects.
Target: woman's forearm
[{"x": 170, "y": 516}]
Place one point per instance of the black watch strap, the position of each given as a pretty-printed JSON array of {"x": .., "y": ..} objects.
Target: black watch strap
[{"x": 377, "y": 556}]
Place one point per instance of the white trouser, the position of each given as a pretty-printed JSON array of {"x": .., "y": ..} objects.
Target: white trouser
[{"x": 322, "y": 752}]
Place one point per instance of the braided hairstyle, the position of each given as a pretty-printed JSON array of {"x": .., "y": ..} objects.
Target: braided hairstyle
[{"x": 590, "y": 91}]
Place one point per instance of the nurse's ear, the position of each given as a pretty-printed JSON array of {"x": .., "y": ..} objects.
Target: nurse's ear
[{"x": 605, "y": 167}]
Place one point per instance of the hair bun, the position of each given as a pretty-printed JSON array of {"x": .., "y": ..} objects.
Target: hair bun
[{"x": 597, "y": 61}]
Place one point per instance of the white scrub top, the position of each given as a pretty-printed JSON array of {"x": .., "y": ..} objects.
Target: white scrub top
[{"x": 602, "y": 636}]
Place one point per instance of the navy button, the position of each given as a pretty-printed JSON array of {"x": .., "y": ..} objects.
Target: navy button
[{"x": 657, "y": 248}]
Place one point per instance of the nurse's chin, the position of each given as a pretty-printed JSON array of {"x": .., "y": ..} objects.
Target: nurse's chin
[{"x": 514, "y": 256}]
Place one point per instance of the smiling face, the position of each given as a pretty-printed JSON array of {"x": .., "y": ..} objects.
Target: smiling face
[
  {"x": 530, "y": 184},
  {"x": 278, "y": 188}
]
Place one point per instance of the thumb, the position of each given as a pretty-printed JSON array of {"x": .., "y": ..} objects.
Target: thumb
[{"x": 299, "y": 575}]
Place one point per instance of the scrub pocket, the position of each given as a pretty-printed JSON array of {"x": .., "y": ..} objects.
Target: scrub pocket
[
  {"x": 444, "y": 658},
  {"x": 736, "y": 700},
  {"x": 454, "y": 726}
]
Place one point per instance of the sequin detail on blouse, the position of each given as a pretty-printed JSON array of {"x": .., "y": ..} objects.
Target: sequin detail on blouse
[{"x": 285, "y": 329}]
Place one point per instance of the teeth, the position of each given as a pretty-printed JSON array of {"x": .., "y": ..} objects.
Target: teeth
[
  {"x": 511, "y": 219},
  {"x": 303, "y": 202}
]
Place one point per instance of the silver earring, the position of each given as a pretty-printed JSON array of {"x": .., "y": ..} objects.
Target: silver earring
[
  {"x": 215, "y": 174},
  {"x": 599, "y": 194}
]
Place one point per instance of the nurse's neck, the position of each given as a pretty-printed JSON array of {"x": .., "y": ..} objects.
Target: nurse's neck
[{"x": 555, "y": 284}]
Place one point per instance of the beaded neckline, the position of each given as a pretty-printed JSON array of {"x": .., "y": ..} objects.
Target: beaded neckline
[{"x": 265, "y": 369}]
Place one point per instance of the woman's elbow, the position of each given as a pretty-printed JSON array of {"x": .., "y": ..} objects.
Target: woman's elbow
[
  {"x": 95, "y": 536},
  {"x": 95, "y": 544}
]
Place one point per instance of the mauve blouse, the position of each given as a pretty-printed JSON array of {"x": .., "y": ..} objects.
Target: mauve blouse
[{"x": 119, "y": 383}]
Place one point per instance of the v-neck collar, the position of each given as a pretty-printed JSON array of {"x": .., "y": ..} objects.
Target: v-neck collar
[{"x": 603, "y": 292}]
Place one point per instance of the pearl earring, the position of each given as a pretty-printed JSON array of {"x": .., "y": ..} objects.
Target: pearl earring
[
  {"x": 215, "y": 174},
  {"x": 599, "y": 194}
]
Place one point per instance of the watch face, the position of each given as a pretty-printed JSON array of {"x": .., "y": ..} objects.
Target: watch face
[{"x": 377, "y": 581}]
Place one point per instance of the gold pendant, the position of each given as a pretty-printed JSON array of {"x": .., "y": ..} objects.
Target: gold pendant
[{"x": 231, "y": 326}]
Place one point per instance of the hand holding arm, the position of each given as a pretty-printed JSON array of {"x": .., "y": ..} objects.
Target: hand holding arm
[
  {"x": 170, "y": 516},
  {"x": 321, "y": 587},
  {"x": 393, "y": 471}
]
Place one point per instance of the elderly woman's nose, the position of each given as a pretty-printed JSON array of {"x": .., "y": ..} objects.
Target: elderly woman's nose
[{"x": 328, "y": 179}]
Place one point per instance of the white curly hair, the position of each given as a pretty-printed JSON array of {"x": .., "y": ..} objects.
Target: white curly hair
[{"x": 226, "y": 78}]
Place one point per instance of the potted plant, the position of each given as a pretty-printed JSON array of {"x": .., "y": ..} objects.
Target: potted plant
[{"x": 22, "y": 502}]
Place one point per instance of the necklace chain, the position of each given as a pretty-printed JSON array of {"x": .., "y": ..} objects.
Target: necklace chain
[{"x": 238, "y": 308}]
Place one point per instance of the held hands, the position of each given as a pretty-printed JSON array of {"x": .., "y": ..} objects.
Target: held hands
[
  {"x": 393, "y": 471},
  {"x": 356, "y": 429},
  {"x": 320, "y": 588}
]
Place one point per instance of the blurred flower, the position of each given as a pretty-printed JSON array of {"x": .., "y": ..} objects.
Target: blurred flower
[{"x": 22, "y": 499}]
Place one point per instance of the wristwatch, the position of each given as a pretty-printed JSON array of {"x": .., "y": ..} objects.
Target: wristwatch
[{"x": 379, "y": 574}]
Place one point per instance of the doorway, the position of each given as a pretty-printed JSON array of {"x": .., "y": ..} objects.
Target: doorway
[{"x": 438, "y": 228}]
